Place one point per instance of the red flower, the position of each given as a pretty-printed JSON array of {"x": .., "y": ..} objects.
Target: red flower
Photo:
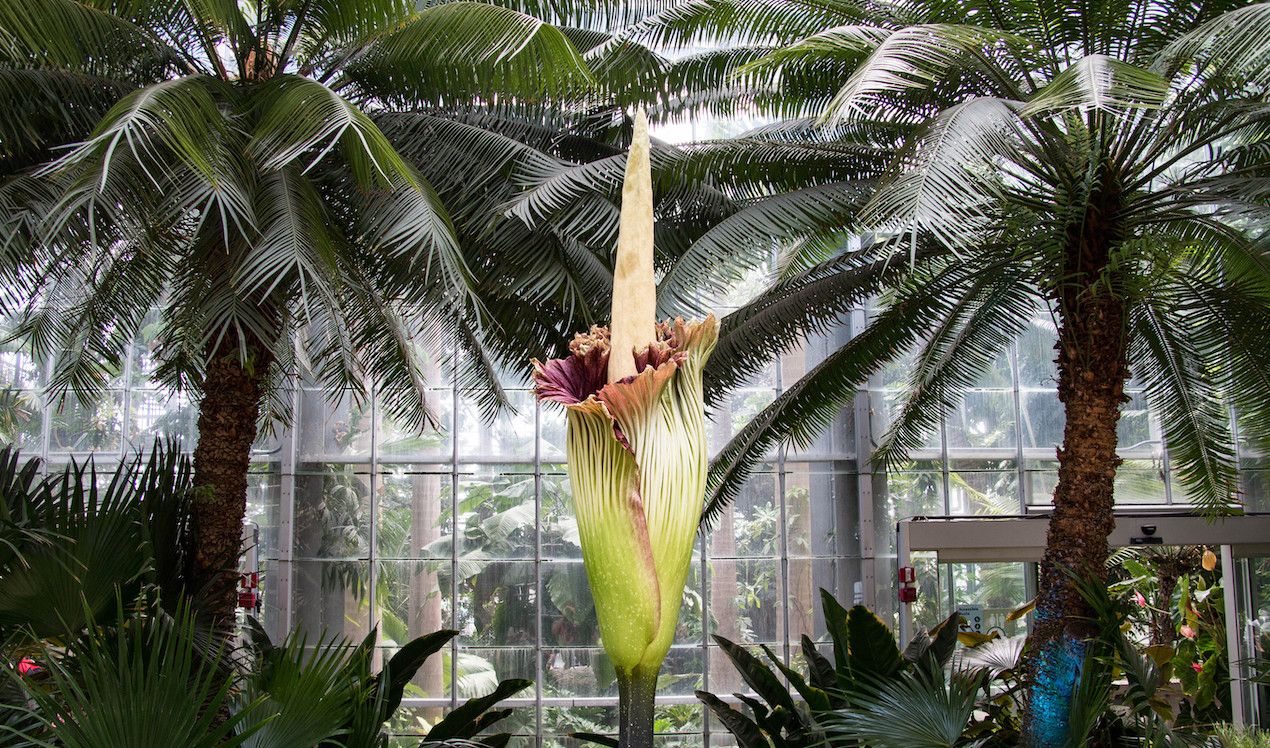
[
  {"x": 26, "y": 666},
  {"x": 1142, "y": 601},
  {"x": 1189, "y": 632},
  {"x": 1197, "y": 667}
]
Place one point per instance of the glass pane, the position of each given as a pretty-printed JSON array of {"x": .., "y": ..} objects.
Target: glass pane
[
  {"x": 497, "y": 515},
  {"x": 481, "y": 668},
  {"x": 560, "y": 538},
  {"x": 577, "y": 671},
  {"x": 22, "y": 419},
  {"x": 1037, "y": 354},
  {"x": 1134, "y": 432},
  {"x": 1038, "y": 484},
  {"x": 1256, "y": 484},
  {"x": 568, "y": 611},
  {"x": 400, "y": 442},
  {"x": 497, "y": 602},
  {"x": 331, "y": 428},
  {"x": 509, "y": 435},
  {"x": 746, "y": 600},
  {"x": 81, "y": 426},
  {"x": 1043, "y": 419},
  {"x": 1140, "y": 482},
  {"x": 992, "y": 589},
  {"x": 414, "y": 512},
  {"x": 332, "y": 511},
  {"x": 983, "y": 487},
  {"x": 413, "y": 600},
  {"x": 985, "y": 420},
  {"x": 162, "y": 414},
  {"x": 749, "y": 526},
  {"x": 551, "y": 424},
  {"x": 887, "y": 404},
  {"x": 821, "y": 509},
  {"x": 330, "y": 598},
  {"x": 264, "y": 495}
]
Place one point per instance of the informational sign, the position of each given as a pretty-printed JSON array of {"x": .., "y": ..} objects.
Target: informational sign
[{"x": 971, "y": 618}]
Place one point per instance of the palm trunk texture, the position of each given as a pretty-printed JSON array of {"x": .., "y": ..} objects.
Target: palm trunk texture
[
  {"x": 1092, "y": 372},
  {"x": 232, "y": 395}
]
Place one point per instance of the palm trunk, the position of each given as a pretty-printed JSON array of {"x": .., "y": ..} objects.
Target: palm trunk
[
  {"x": 232, "y": 395},
  {"x": 1091, "y": 377}
]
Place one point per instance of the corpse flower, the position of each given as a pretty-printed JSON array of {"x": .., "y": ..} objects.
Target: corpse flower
[{"x": 636, "y": 450}]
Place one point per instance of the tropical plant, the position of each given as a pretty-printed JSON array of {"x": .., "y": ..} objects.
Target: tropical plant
[
  {"x": 149, "y": 680},
  {"x": 636, "y": 455},
  {"x": 73, "y": 547},
  {"x": 102, "y": 645},
  {"x": 1170, "y": 595},
  {"x": 1142, "y": 710},
  {"x": 1231, "y": 737},
  {"x": 1105, "y": 163},
  {"x": 252, "y": 171},
  {"x": 287, "y": 681},
  {"x": 144, "y": 681},
  {"x": 837, "y": 697}
]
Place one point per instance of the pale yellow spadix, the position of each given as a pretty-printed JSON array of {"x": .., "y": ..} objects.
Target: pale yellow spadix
[{"x": 634, "y": 311}]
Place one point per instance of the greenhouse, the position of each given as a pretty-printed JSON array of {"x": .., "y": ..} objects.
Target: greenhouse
[{"x": 675, "y": 373}]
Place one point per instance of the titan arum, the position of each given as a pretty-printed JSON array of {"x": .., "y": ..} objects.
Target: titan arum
[{"x": 636, "y": 448}]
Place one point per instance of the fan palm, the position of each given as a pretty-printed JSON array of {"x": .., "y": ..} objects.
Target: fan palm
[
  {"x": 239, "y": 167},
  {"x": 1104, "y": 161}
]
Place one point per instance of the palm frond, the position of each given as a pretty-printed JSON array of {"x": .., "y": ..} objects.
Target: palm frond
[
  {"x": 915, "y": 710},
  {"x": 146, "y": 683},
  {"x": 807, "y": 407},
  {"x": 749, "y": 236},
  {"x": 946, "y": 183},
  {"x": 696, "y": 23},
  {"x": 41, "y": 108},
  {"x": 464, "y": 50},
  {"x": 80, "y": 36},
  {"x": 914, "y": 59},
  {"x": 301, "y": 118},
  {"x": 1226, "y": 48},
  {"x": 1099, "y": 83},
  {"x": 294, "y": 246},
  {"x": 1196, "y": 422},
  {"x": 971, "y": 333}
]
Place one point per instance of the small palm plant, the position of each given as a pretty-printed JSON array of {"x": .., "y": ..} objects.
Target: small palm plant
[{"x": 636, "y": 454}]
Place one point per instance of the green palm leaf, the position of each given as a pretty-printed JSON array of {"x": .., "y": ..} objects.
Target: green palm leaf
[
  {"x": 461, "y": 49},
  {"x": 147, "y": 684},
  {"x": 915, "y": 710},
  {"x": 1099, "y": 83},
  {"x": 1195, "y": 421},
  {"x": 969, "y": 336}
]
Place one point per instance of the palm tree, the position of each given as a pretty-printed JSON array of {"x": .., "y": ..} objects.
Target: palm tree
[
  {"x": 279, "y": 179},
  {"x": 1106, "y": 162}
]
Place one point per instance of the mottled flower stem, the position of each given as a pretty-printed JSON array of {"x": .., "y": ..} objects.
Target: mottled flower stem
[{"x": 636, "y": 691}]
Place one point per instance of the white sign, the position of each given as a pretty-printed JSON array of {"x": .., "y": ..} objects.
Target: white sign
[{"x": 971, "y": 618}]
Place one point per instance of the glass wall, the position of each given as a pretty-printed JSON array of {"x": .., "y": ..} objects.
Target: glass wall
[{"x": 363, "y": 523}]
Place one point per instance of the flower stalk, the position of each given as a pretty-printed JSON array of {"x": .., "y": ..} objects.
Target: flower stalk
[{"x": 636, "y": 451}]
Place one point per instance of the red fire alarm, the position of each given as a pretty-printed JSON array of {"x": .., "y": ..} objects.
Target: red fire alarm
[
  {"x": 908, "y": 575},
  {"x": 908, "y": 594}
]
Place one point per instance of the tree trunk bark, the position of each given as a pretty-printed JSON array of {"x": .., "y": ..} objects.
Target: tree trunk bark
[
  {"x": 1092, "y": 371},
  {"x": 232, "y": 395}
]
